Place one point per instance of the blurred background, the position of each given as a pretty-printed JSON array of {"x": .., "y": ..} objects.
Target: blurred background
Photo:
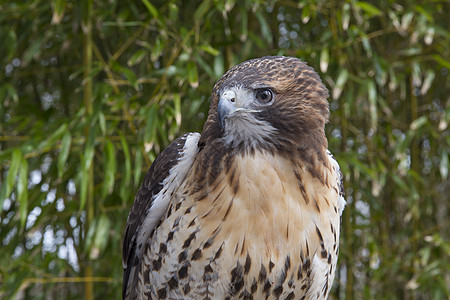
[{"x": 92, "y": 91}]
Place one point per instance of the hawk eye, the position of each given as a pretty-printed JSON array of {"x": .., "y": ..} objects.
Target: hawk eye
[{"x": 264, "y": 96}]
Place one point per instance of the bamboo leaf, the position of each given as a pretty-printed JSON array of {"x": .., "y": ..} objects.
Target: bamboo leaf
[
  {"x": 201, "y": 10},
  {"x": 110, "y": 168},
  {"x": 209, "y": 49},
  {"x": 366, "y": 44},
  {"x": 126, "y": 153},
  {"x": 443, "y": 62},
  {"x": 125, "y": 186},
  {"x": 151, "y": 8},
  {"x": 372, "y": 95},
  {"x": 205, "y": 66},
  {"x": 58, "y": 10},
  {"x": 400, "y": 182},
  {"x": 173, "y": 11},
  {"x": 51, "y": 140},
  {"x": 156, "y": 49},
  {"x": 14, "y": 167},
  {"x": 340, "y": 82},
  {"x": 306, "y": 14},
  {"x": 244, "y": 25},
  {"x": 137, "y": 167},
  {"x": 427, "y": 82},
  {"x": 9, "y": 91},
  {"x": 443, "y": 165},
  {"x": 136, "y": 58},
  {"x": 345, "y": 16},
  {"x": 368, "y": 8},
  {"x": 101, "y": 238},
  {"x": 363, "y": 168},
  {"x": 192, "y": 74},
  {"x": 22, "y": 192},
  {"x": 265, "y": 28},
  {"x": 90, "y": 236},
  {"x": 64, "y": 153},
  {"x": 130, "y": 76},
  {"x": 324, "y": 60},
  {"x": 9, "y": 39},
  {"x": 177, "y": 109},
  {"x": 419, "y": 122},
  {"x": 34, "y": 50},
  {"x": 83, "y": 181},
  {"x": 152, "y": 121},
  {"x": 89, "y": 149},
  {"x": 88, "y": 156},
  {"x": 218, "y": 65},
  {"x": 102, "y": 123}
]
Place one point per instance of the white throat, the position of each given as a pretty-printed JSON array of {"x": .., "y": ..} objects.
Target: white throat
[{"x": 244, "y": 128}]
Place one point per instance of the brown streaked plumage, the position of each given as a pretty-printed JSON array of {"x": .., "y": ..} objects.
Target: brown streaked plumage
[{"x": 250, "y": 208}]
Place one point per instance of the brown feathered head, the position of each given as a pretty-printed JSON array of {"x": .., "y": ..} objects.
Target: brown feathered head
[{"x": 274, "y": 102}]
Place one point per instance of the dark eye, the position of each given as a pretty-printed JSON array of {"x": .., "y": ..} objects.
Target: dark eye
[{"x": 264, "y": 96}]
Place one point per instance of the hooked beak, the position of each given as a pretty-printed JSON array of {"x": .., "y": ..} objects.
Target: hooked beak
[{"x": 227, "y": 106}]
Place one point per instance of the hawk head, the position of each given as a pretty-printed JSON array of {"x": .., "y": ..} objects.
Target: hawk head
[{"x": 275, "y": 103}]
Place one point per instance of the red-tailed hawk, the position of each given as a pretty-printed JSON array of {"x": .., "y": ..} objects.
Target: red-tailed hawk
[{"x": 251, "y": 207}]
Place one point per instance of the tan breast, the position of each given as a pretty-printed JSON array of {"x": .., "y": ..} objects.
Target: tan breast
[{"x": 255, "y": 232}]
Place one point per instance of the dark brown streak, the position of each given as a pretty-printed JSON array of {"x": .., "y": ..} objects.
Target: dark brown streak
[
  {"x": 235, "y": 248},
  {"x": 212, "y": 207},
  {"x": 219, "y": 227},
  {"x": 317, "y": 205},
  {"x": 218, "y": 195},
  {"x": 236, "y": 187},
  {"x": 216, "y": 185},
  {"x": 262, "y": 274},
  {"x": 302, "y": 187},
  {"x": 271, "y": 265},
  {"x": 192, "y": 223},
  {"x": 188, "y": 241},
  {"x": 319, "y": 234},
  {"x": 247, "y": 265},
  {"x": 202, "y": 196},
  {"x": 243, "y": 246},
  {"x": 217, "y": 255},
  {"x": 315, "y": 172},
  {"x": 228, "y": 210},
  {"x": 231, "y": 177}
]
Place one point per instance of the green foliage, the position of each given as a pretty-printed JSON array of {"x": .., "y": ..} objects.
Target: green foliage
[{"x": 92, "y": 91}]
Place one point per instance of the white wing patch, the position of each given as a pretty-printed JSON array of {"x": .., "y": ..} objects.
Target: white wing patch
[
  {"x": 338, "y": 173},
  {"x": 170, "y": 184},
  {"x": 319, "y": 277}
]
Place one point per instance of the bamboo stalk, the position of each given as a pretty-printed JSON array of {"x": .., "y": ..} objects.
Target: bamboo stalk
[{"x": 86, "y": 26}]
